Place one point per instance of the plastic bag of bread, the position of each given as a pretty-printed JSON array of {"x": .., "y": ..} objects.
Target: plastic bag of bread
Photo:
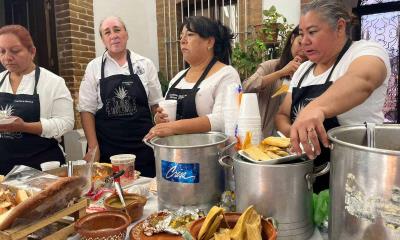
[
  {"x": 28, "y": 179},
  {"x": 54, "y": 197}
]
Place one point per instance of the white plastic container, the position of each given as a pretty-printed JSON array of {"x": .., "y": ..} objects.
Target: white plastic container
[
  {"x": 49, "y": 165},
  {"x": 169, "y": 108},
  {"x": 124, "y": 162}
]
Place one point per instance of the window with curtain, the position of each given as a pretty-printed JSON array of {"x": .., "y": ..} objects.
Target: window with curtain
[{"x": 380, "y": 22}]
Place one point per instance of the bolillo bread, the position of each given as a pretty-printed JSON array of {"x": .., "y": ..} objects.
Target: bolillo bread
[{"x": 44, "y": 202}]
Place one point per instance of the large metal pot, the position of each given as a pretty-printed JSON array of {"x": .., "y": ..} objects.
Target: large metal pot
[
  {"x": 281, "y": 191},
  {"x": 187, "y": 169},
  {"x": 365, "y": 183}
]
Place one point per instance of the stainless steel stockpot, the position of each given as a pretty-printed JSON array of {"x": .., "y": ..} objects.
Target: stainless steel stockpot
[
  {"x": 187, "y": 169},
  {"x": 281, "y": 191},
  {"x": 365, "y": 183}
]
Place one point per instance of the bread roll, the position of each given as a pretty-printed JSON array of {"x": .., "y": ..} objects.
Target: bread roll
[{"x": 21, "y": 196}]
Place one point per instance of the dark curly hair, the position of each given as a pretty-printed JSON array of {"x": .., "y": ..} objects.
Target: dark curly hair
[{"x": 206, "y": 28}]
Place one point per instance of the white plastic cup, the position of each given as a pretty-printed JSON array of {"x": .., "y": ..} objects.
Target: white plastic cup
[
  {"x": 49, "y": 165},
  {"x": 169, "y": 108},
  {"x": 124, "y": 162},
  {"x": 249, "y": 105}
]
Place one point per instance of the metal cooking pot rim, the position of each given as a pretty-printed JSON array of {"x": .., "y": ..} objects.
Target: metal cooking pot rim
[
  {"x": 237, "y": 158},
  {"x": 333, "y": 131},
  {"x": 225, "y": 138}
]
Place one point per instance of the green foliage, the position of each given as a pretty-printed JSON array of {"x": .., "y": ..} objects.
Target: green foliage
[
  {"x": 246, "y": 60},
  {"x": 265, "y": 42}
]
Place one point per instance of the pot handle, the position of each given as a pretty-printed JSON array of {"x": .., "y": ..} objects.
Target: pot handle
[
  {"x": 223, "y": 163},
  {"x": 148, "y": 143},
  {"x": 310, "y": 177},
  {"x": 230, "y": 145}
]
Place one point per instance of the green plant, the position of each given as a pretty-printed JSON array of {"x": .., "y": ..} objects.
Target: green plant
[
  {"x": 265, "y": 42},
  {"x": 246, "y": 60}
]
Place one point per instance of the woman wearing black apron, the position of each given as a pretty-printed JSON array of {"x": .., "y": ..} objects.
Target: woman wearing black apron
[
  {"x": 199, "y": 90},
  {"x": 119, "y": 123},
  {"x": 37, "y": 99},
  {"x": 343, "y": 82}
]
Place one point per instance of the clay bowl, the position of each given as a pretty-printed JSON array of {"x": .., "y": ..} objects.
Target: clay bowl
[
  {"x": 268, "y": 230},
  {"x": 134, "y": 205},
  {"x": 103, "y": 225}
]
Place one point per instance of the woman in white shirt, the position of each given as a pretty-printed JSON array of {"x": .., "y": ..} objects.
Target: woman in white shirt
[
  {"x": 116, "y": 96},
  {"x": 36, "y": 105},
  {"x": 199, "y": 90},
  {"x": 344, "y": 82}
]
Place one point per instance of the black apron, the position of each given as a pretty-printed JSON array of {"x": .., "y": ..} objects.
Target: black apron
[
  {"x": 17, "y": 148},
  {"x": 301, "y": 96},
  {"x": 124, "y": 119},
  {"x": 186, "y": 98}
]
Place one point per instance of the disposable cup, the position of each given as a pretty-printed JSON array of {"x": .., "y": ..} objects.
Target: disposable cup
[
  {"x": 249, "y": 105},
  {"x": 169, "y": 108},
  {"x": 49, "y": 165},
  {"x": 124, "y": 162}
]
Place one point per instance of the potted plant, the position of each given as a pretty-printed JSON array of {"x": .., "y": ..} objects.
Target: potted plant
[{"x": 265, "y": 42}]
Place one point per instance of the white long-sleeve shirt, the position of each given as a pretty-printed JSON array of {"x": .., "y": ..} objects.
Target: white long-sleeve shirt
[
  {"x": 89, "y": 91},
  {"x": 211, "y": 95},
  {"x": 56, "y": 105}
]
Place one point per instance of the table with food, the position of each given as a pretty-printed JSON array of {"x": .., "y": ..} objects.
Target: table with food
[{"x": 207, "y": 188}]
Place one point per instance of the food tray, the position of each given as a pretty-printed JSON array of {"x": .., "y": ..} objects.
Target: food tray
[
  {"x": 76, "y": 210},
  {"x": 288, "y": 158}
]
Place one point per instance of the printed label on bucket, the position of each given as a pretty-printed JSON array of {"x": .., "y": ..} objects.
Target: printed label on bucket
[{"x": 180, "y": 172}]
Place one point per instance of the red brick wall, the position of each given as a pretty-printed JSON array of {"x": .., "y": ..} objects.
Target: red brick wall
[{"x": 75, "y": 42}]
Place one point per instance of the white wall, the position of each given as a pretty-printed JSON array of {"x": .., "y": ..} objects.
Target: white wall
[
  {"x": 288, "y": 8},
  {"x": 141, "y": 23}
]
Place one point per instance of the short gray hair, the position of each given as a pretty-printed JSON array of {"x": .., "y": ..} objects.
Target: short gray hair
[
  {"x": 118, "y": 18},
  {"x": 330, "y": 10}
]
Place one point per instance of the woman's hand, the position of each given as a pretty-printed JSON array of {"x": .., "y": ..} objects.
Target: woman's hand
[
  {"x": 18, "y": 125},
  {"x": 161, "y": 130},
  {"x": 160, "y": 117},
  {"x": 291, "y": 67},
  {"x": 92, "y": 153},
  {"x": 307, "y": 129}
]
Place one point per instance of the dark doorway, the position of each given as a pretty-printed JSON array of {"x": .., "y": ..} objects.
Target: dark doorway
[{"x": 38, "y": 17}]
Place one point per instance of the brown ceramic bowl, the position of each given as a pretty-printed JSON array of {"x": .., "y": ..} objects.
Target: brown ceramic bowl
[
  {"x": 134, "y": 204},
  {"x": 268, "y": 230},
  {"x": 103, "y": 225}
]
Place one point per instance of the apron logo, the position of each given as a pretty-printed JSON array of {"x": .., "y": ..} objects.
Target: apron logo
[
  {"x": 121, "y": 104},
  {"x": 297, "y": 108},
  {"x": 10, "y": 135},
  {"x": 8, "y": 110},
  {"x": 180, "y": 172}
]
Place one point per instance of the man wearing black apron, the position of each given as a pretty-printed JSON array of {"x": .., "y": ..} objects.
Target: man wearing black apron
[
  {"x": 301, "y": 96},
  {"x": 124, "y": 119},
  {"x": 186, "y": 98},
  {"x": 18, "y": 148}
]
